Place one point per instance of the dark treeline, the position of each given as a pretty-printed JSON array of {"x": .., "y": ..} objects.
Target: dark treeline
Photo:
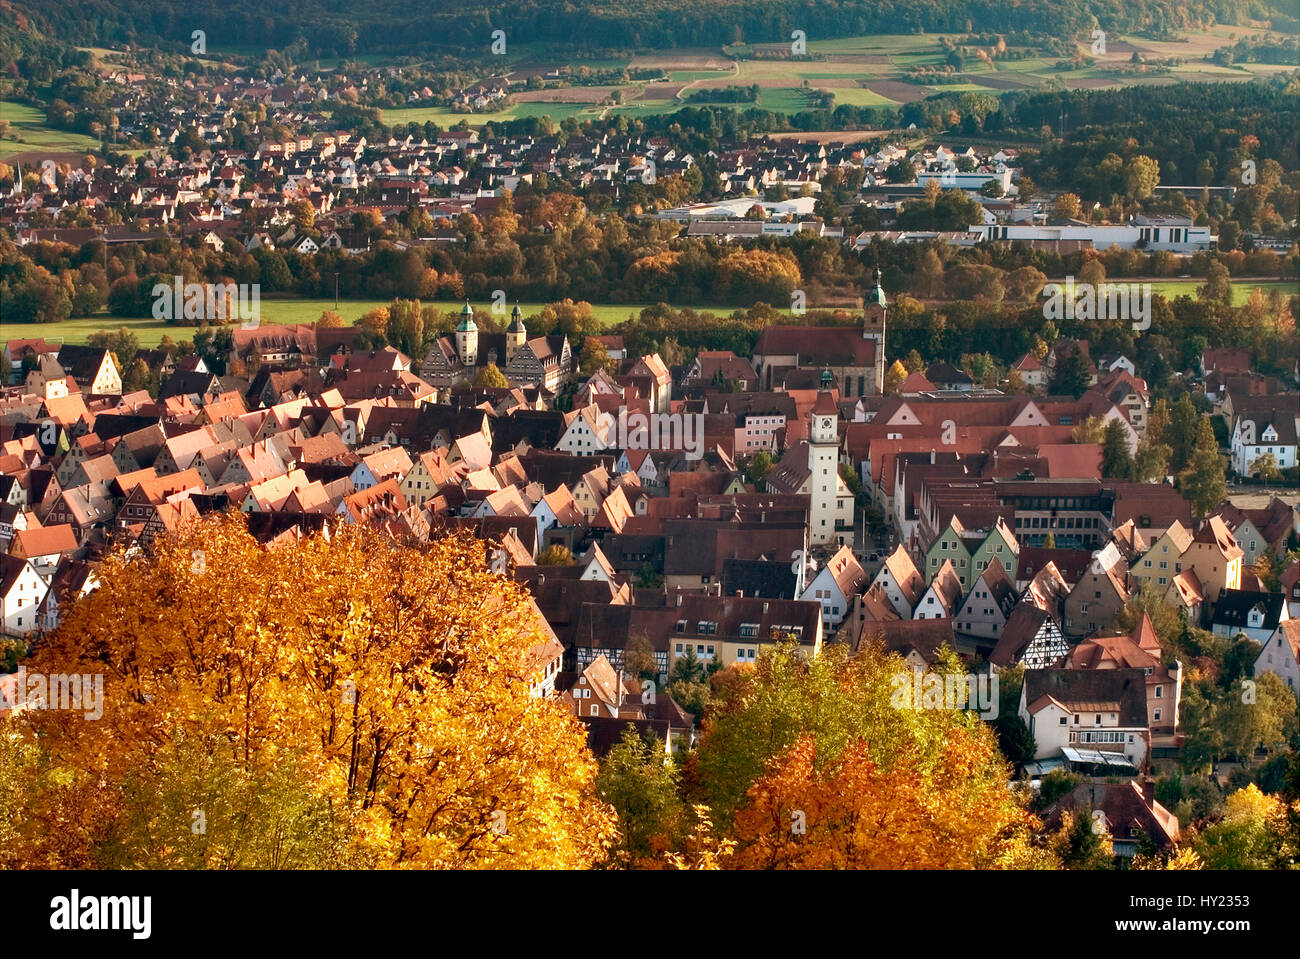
[{"x": 331, "y": 28}]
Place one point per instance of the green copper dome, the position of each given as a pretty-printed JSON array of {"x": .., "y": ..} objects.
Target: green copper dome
[
  {"x": 877, "y": 293},
  {"x": 517, "y": 321},
  {"x": 467, "y": 324}
]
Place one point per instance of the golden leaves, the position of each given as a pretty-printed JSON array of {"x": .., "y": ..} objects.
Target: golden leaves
[{"x": 390, "y": 680}]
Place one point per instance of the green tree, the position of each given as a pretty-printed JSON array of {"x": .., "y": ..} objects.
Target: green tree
[
  {"x": 1180, "y": 432},
  {"x": 639, "y": 658},
  {"x": 1250, "y": 835},
  {"x": 405, "y": 327},
  {"x": 1068, "y": 206},
  {"x": 759, "y": 465},
  {"x": 555, "y": 555},
  {"x": 1265, "y": 467},
  {"x": 594, "y": 357},
  {"x": 1141, "y": 177},
  {"x": 1116, "y": 461},
  {"x": 1217, "y": 288},
  {"x": 1079, "y": 845},
  {"x": 894, "y": 377},
  {"x": 1070, "y": 376},
  {"x": 1151, "y": 461},
  {"x": 489, "y": 377},
  {"x": 642, "y": 788},
  {"x": 1203, "y": 483}
]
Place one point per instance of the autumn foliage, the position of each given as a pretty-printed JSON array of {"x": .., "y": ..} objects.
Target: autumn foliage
[
  {"x": 328, "y": 702},
  {"x": 808, "y": 765}
]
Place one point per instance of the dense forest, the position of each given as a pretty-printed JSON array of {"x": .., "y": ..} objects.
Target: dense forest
[{"x": 329, "y": 28}]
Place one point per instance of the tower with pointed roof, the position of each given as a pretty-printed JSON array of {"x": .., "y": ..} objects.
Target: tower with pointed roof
[
  {"x": 873, "y": 326},
  {"x": 516, "y": 333},
  {"x": 825, "y": 486},
  {"x": 467, "y": 338}
]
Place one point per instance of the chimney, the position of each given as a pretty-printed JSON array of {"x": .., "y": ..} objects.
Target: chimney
[
  {"x": 931, "y": 457},
  {"x": 679, "y": 599},
  {"x": 1149, "y": 790},
  {"x": 740, "y": 594}
]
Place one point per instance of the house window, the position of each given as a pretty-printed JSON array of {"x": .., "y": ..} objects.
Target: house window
[{"x": 1160, "y": 692}]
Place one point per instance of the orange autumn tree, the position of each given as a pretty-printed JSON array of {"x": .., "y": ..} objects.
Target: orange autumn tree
[
  {"x": 854, "y": 814},
  {"x": 810, "y": 764},
  {"x": 333, "y": 701}
]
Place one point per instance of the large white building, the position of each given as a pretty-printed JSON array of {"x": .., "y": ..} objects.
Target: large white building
[
  {"x": 1269, "y": 428},
  {"x": 1175, "y": 234}
]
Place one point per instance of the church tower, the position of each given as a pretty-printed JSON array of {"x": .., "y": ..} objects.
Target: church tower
[
  {"x": 467, "y": 337},
  {"x": 873, "y": 327},
  {"x": 516, "y": 333},
  {"x": 823, "y": 466}
]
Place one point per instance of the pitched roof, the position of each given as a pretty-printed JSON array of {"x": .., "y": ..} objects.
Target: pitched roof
[
  {"x": 1234, "y": 607},
  {"x": 44, "y": 541},
  {"x": 1018, "y": 632},
  {"x": 926, "y": 637},
  {"x": 905, "y": 574},
  {"x": 1087, "y": 687},
  {"x": 1126, "y": 807}
]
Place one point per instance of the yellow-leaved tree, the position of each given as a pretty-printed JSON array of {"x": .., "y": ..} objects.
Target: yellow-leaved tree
[
  {"x": 332, "y": 701},
  {"x": 814, "y": 764}
]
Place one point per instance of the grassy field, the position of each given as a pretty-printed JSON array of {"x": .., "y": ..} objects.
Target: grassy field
[
  {"x": 1241, "y": 289},
  {"x": 446, "y": 118},
  {"x": 27, "y": 125},
  {"x": 1186, "y": 286},
  {"x": 861, "y": 98},
  {"x": 151, "y": 331}
]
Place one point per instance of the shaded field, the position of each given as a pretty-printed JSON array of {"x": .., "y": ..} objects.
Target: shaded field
[
  {"x": 661, "y": 91},
  {"x": 34, "y": 140},
  {"x": 1002, "y": 83},
  {"x": 681, "y": 60},
  {"x": 565, "y": 95},
  {"x": 835, "y": 83},
  {"x": 447, "y": 118},
  {"x": 898, "y": 91},
  {"x": 848, "y": 137}
]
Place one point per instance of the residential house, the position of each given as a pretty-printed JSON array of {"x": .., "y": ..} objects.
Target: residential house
[
  {"x": 835, "y": 585},
  {"x": 1093, "y": 717}
]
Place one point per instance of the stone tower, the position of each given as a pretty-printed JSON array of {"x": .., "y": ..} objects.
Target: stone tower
[
  {"x": 467, "y": 337},
  {"x": 516, "y": 333},
  {"x": 823, "y": 464}
]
